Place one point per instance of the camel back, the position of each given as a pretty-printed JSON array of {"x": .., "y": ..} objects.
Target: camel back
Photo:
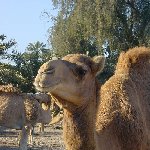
[
  {"x": 9, "y": 89},
  {"x": 137, "y": 57}
]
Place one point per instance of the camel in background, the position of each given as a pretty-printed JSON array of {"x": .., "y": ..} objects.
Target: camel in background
[{"x": 22, "y": 111}]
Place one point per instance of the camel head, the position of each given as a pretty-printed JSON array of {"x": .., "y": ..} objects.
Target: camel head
[{"x": 72, "y": 78}]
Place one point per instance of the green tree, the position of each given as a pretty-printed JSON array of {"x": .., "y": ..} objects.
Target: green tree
[
  {"x": 35, "y": 54},
  {"x": 4, "y": 45},
  {"x": 9, "y": 74},
  {"x": 88, "y": 25},
  {"x": 123, "y": 23},
  {"x": 25, "y": 66}
]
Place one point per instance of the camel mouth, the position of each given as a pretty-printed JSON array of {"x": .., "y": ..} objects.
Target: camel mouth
[{"x": 43, "y": 88}]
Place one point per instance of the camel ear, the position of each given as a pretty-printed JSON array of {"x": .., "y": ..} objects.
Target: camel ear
[
  {"x": 121, "y": 56},
  {"x": 99, "y": 63}
]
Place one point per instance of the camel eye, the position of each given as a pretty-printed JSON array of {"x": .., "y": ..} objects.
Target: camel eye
[
  {"x": 49, "y": 71},
  {"x": 80, "y": 71}
]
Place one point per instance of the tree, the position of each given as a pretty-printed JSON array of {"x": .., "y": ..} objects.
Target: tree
[
  {"x": 35, "y": 54},
  {"x": 5, "y": 45},
  {"x": 10, "y": 75},
  {"x": 88, "y": 25},
  {"x": 25, "y": 66},
  {"x": 123, "y": 23}
]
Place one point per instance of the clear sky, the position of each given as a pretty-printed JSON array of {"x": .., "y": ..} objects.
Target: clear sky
[{"x": 23, "y": 21}]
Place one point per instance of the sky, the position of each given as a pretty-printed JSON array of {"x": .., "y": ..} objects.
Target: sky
[{"x": 24, "y": 21}]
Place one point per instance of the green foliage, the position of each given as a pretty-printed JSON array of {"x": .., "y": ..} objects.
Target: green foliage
[
  {"x": 112, "y": 57},
  {"x": 25, "y": 66},
  {"x": 88, "y": 25},
  {"x": 5, "y": 45},
  {"x": 10, "y": 75},
  {"x": 123, "y": 23}
]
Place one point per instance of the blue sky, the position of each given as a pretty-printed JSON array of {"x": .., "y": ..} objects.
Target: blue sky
[{"x": 23, "y": 21}]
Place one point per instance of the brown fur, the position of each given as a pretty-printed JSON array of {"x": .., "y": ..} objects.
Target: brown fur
[
  {"x": 9, "y": 89},
  {"x": 78, "y": 125},
  {"x": 21, "y": 111},
  {"x": 121, "y": 108},
  {"x": 80, "y": 105},
  {"x": 123, "y": 115}
]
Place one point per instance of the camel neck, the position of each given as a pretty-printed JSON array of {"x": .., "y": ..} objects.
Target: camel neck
[{"x": 79, "y": 128}]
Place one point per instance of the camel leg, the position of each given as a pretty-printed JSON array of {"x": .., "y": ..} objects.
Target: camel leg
[
  {"x": 24, "y": 137},
  {"x": 41, "y": 126},
  {"x": 30, "y": 138}
]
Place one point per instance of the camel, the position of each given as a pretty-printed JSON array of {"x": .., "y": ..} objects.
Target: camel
[
  {"x": 114, "y": 116},
  {"x": 56, "y": 114},
  {"x": 22, "y": 111}
]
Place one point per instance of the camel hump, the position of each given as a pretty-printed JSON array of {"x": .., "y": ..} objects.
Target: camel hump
[{"x": 9, "y": 89}]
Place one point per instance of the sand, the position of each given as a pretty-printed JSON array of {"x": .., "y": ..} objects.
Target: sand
[{"x": 51, "y": 139}]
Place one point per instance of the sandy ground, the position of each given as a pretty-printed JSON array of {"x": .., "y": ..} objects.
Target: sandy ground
[{"x": 51, "y": 139}]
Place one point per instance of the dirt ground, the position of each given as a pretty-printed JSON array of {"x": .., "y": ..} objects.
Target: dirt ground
[{"x": 51, "y": 139}]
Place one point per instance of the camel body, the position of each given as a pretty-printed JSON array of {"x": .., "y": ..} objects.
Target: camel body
[{"x": 22, "y": 111}]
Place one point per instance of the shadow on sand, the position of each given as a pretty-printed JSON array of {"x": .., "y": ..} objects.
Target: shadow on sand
[
  {"x": 8, "y": 148},
  {"x": 29, "y": 148}
]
